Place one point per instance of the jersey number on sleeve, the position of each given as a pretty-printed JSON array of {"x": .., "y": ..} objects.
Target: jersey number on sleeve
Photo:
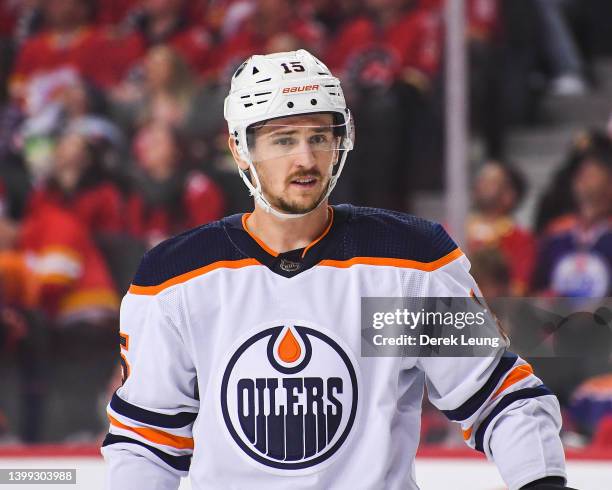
[{"x": 124, "y": 343}]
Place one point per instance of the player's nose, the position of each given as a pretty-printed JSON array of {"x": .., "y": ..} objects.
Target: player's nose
[{"x": 304, "y": 155}]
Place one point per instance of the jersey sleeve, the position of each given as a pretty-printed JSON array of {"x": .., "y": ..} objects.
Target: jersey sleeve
[
  {"x": 151, "y": 415},
  {"x": 504, "y": 410}
]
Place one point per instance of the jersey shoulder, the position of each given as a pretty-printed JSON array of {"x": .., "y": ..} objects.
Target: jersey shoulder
[
  {"x": 374, "y": 232},
  {"x": 186, "y": 252}
]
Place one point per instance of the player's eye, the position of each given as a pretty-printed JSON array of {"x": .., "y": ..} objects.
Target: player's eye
[
  {"x": 318, "y": 139},
  {"x": 284, "y": 141}
]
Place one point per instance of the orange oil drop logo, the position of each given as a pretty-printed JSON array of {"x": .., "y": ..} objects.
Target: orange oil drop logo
[{"x": 289, "y": 349}]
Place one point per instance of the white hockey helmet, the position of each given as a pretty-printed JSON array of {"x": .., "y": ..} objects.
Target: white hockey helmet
[{"x": 279, "y": 85}]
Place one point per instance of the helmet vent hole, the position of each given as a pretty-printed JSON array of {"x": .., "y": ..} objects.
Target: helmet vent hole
[
  {"x": 290, "y": 105},
  {"x": 255, "y": 70},
  {"x": 313, "y": 101}
]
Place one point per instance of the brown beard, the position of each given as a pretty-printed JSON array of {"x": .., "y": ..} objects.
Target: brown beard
[{"x": 292, "y": 208}]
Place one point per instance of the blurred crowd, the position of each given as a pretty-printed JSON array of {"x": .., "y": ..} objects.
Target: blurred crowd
[{"x": 112, "y": 139}]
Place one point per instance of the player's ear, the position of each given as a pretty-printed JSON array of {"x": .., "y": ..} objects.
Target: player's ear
[{"x": 237, "y": 158}]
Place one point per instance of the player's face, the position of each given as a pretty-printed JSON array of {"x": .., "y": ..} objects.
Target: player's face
[{"x": 293, "y": 158}]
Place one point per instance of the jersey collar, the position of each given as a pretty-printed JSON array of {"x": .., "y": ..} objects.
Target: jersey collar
[{"x": 292, "y": 262}]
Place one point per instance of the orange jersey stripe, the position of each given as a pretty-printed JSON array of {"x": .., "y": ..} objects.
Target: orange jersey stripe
[
  {"x": 325, "y": 232},
  {"x": 518, "y": 373},
  {"x": 155, "y": 435},
  {"x": 222, "y": 264},
  {"x": 514, "y": 376},
  {"x": 245, "y": 216},
  {"x": 405, "y": 263},
  {"x": 274, "y": 253},
  {"x": 237, "y": 264},
  {"x": 467, "y": 434}
]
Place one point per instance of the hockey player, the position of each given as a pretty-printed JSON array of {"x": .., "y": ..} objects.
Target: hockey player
[{"x": 240, "y": 339}]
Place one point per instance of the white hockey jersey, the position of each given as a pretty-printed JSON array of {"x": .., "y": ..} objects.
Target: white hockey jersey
[{"x": 243, "y": 369}]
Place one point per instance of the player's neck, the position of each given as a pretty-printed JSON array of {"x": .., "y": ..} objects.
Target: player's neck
[{"x": 282, "y": 235}]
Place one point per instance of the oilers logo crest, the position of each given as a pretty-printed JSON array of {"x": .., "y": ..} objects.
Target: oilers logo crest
[{"x": 289, "y": 397}]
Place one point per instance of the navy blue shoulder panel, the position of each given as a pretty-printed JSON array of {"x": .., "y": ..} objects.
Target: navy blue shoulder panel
[
  {"x": 183, "y": 253},
  {"x": 372, "y": 232}
]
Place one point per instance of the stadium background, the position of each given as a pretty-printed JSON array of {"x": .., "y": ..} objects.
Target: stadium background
[{"x": 112, "y": 138}]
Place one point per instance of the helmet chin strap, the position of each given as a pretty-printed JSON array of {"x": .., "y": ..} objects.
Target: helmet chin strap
[{"x": 257, "y": 193}]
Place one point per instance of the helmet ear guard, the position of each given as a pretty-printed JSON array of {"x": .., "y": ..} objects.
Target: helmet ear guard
[{"x": 280, "y": 85}]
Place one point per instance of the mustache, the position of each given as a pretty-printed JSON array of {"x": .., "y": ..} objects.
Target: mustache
[{"x": 299, "y": 175}]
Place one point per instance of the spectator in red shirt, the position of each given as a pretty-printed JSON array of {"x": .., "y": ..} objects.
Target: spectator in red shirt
[
  {"x": 388, "y": 42},
  {"x": 113, "y": 12},
  {"x": 57, "y": 234},
  {"x": 75, "y": 284},
  {"x": 482, "y": 16},
  {"x": 79, "y": 186},
  {"x": 69, "y": 43},
  {"x": 168, "y": 22},
  {"x": 268, "y": 26},
  {"x": 169, "y": 197},
  {"x": 498, "y": 190}
]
